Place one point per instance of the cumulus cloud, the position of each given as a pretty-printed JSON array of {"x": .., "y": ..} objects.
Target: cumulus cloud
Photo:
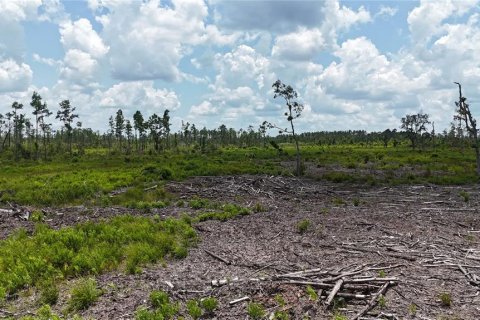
[
  {"x": 242, "y": 66},
  {"x": 148, "y": 39},
  {"x": 138, "y": 94},
  {"x": 14, "y": 76},
  {"x": 425, "y": 21},
  {"x": 300, "y": 45},
  {"x": 79, "y": 35}
]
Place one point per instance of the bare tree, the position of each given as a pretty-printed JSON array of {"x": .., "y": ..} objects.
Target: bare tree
[{"x": 464, "y": 115}]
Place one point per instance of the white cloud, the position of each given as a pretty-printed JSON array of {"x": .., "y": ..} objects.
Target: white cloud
[
  {"x": 203, "y": 109},
  {"x": 78, "y": 67},
  {"x": 14, "y": 76},
  {"x": 148, "y": 40},
  {"x": 300, "y": 45},
  {"x": 243, "y": 66},
  {"x": 79, "y": 35},
  {"x": 386, "y": 12},
  {"x": 425, "y": 21},
  {"x": 138, "y": 94}
]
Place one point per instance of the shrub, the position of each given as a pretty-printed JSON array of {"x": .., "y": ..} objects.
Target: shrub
[
  {"x": 209, "y": 304},
  {"x": 48, "y": 292},
  {"x": 303, "y": 226},
  {"x": 83, "y": 294},
  {"x": 312, "y": 294},
  {"x": 159, "y": 298},
  {"x": 446, "y": 299},
  {"x": 194, "y": 309},
  {"x": 255, "y": 311}
]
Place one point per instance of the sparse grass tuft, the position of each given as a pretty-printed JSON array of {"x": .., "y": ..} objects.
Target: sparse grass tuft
[
  {"x": 312, "y": 294},
  {"x": 193, "y": 309},
  {"x": 209, "y": 304},
  {"x": 303, "y": 226},
  {"x": 83, "y": 294},
  {"x": 446, "y": 299},
  {"x": 255, "y": 311}
]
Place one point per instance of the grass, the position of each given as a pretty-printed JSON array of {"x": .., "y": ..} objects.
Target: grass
[
  {"x": 446, "y": 299},
  {"x": 89, "y": 179},
  {"x": 88, "y": 249},
  {"x": 255, "y": 311},
  {"x": 83, "y": 294},
  {"x": 303, "y": 226}
]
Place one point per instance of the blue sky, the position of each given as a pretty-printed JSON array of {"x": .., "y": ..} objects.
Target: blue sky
[{"x": 355, "y": 64}]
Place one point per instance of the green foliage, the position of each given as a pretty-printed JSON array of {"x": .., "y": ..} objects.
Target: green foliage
[
  {"x": 281, "y": 315},
  {"x": 339, "y": 316},
  {"x": 258, "y": 207},
  {"x": 446, "y": 299},
  {"x": 228, "y": 211},
  {"x": 89, "y": 248},
  {"x": 356, "y": 202},
  {"x": 382, "y": 274},
  {"x": 412, "y": 309},
  {"x": 382, "y": 302},
  {"x": 303, "y": 226},
  {"x": 44, "y": 313},
  {"x": 209, "y": 304},
  {"x": 163, "y": 309},
  {"x": 37, "y": 216},
  {"x": 83, "y": 294},
  {"x": 312, "y": 294},
  {"x": 465, "y": 195},
  {"x": 255, "y": 311},
  {"x": 194, "y": 309},
  {"x": 280, "y": 300},
  {"x": 159, "y": 298},
  {"x": 48, "y": 292}
]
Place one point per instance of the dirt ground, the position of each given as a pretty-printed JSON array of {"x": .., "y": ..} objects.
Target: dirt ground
[{"x": 426, "y": 238}]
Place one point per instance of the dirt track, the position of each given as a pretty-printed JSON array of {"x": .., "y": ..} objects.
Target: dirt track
[{"x": 422, "y": 232}]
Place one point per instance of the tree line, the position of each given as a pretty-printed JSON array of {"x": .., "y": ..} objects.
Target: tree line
[{"x": 33, "y": 137}]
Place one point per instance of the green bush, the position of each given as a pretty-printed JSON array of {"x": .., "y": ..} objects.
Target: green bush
[
  {"x": 48, "y": 292},
  {"x": 209, "y": 304},
  {"x": 83, "y": 294},
  {"x": 194, "y": 309},
  {"x": 89, "y": 248},
  {"x": 303, "y": 226},
  {"x": 255, "y": 311}
]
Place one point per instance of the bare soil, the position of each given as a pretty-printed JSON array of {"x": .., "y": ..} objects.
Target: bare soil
[{"x": 421, "y": 235}]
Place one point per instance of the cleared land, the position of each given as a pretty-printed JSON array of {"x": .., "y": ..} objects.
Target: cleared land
[{"x": 423, "y": 236}]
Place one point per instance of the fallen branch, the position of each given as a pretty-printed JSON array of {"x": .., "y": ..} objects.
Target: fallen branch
[
  {"x": 372, "y": 301},
  {"x": 217, "y": 257},
  {"x": 334, "y": 291},
  {"x": 233, "y": 302}
]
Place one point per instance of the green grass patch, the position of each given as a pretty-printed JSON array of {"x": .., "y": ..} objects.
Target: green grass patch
[{"x": 88, "y": 249}]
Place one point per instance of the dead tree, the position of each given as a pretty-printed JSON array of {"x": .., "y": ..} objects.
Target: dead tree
[{"x": 465, "y": 116}]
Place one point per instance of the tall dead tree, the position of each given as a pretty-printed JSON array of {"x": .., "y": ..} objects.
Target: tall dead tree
[{"x": 464, "y": 115}]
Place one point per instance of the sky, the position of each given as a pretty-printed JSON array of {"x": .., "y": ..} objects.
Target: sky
[{"x": 356, "y": 65}]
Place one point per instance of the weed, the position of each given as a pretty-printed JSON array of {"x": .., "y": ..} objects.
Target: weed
[
  {"x": 194, "y": 309},
  {"x": 356, "y": 202},
  {"x": 412, "y": 309},
  {"x": 339, "y": 316},
  {"x": 312, "y": 294},
  {"x": 280, "y": 300},
  {"x": 281, "y": 315},
  {"x": 255, "y": 311},
  {"x": 382, "y": 302},
  {"x": 258, "y": 207},
  {"x": 83, "y": 294},
  {"x": 48, "y": 292},
  {"x": 209, "y": 304},
  {"x": 338, "y": 201},
  {"x": 303, "y": 226},
  {"x": 45, "y": 313},
  {"x": 89, "y": 248},
  {"x": 446, "y": 299},
  {"x": 465, "y": 195},
  {"x": 382, "y": 274},
  {"x": 36, "y": 216},
  {"x": 158, "y": 298}
]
